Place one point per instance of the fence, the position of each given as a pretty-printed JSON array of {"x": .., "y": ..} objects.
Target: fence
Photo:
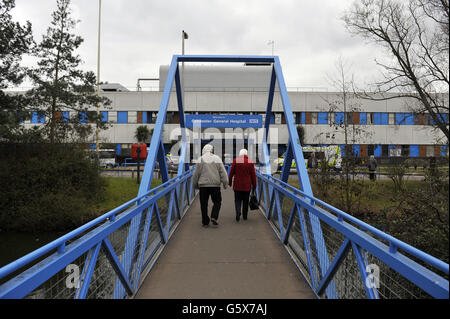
[
  {"x": 341, "y": 256},
  {"x": 108, "y": 257}
]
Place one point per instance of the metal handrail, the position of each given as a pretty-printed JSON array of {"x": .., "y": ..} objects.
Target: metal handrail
[
  {"x": 433, "y": 261},
  {"x": 61, "y": 241}
]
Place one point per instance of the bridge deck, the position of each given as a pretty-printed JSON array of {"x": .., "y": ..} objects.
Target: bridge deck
[{"x": 235, "y": 260}]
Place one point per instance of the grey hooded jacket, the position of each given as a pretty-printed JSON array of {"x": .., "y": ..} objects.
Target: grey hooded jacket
[{"x": 209, "y": 170}]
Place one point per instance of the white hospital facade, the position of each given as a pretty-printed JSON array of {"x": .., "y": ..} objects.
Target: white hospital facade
[{"x": 385, "y": 128}]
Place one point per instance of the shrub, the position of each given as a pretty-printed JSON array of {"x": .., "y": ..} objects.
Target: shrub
[{"x": 49, "y": 187}]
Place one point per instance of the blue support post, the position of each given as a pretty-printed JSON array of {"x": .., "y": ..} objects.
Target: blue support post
[
  {"x": 308, "y": 252},
  {"x": 302, "y": 173},
  {"x": 156, "y": 142},
  {"x": 183, "y": 164},
  {"x": 143, "y": 246},
  {"x": 362, "y": 269},
  {"x": 88, "y": 270},
  {"x": 340, "y": 256},
  {"x": 115, "y": 263},
  {"x": 287, "y": 163},
  {"x": 289, "y": 224},
  {"x": 266, "y": 151}
]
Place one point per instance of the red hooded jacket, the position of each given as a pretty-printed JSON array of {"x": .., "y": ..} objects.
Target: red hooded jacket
[{"x": 243, "y": 170}]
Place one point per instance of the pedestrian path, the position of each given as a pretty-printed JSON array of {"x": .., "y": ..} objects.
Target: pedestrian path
[{"x": 235, "y": 260}]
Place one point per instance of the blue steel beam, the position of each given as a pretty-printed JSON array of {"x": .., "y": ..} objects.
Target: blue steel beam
[
  {"x": 155, "y": 144},
  {"x": 225, "y": 58},
  {"x": 156, "y": 152},
  {"x": 340, "y": 256},
  {"x": 302, "y": 173},
  {"x": 266, "y": 151},
  {"x": 289, "y": 224},
  {"x": 88, "y": 270},
  {"x": 184, "y": 162},
  {"x": 143, "y": 246},
  {"x": 362, "y": 269},
  {"x": 287, "y": 163},
  {"x": 307, "y": 245},
  {"x": 117, "y": 266}
]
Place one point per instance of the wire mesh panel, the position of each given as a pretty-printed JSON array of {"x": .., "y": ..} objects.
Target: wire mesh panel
[
  {"x": 182, "y": 198},
  {"x": 63, "y": 284},
  {"x": 313, "y": 249},
  {"x": 134, "y": 267},
  {"x": 391, "y": 285},
  {"x": 263, "y": 197},
  {"x": 103, "y": 279},
  {"x": 297, "y": 244},
  {"x": 348, "y": 280},
  {"x": 287, "y": 206},
  {"x": 153, "y": 240},
  {"x": 162, "y": 207}
]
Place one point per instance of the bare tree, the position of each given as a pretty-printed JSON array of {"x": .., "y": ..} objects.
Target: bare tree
[
  {"x": 416, "y": 36},
  {"x": 347, "y": 103}
]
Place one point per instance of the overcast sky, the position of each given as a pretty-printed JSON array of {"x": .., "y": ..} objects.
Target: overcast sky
[{"x": 140, "y": 35}]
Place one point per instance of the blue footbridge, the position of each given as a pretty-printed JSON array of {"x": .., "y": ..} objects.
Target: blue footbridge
[{"x": 294, "y": 246}]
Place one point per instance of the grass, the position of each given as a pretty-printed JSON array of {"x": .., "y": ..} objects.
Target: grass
[
  {"x": 119, "y": 191},
  {"x": 376, "y": 198}
]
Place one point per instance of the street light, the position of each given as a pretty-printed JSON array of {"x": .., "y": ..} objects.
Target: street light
[
  {"x": 184, "y": 36},
  {"x": 98, "y": 74},
  {"x": 271, "y": 42}
]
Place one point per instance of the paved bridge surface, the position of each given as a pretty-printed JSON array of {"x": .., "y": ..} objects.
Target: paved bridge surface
[{"x": 235, "y": 260}]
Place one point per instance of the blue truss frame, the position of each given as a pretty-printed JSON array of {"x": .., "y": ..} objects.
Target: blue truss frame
[{"x": 294, "y": 149}]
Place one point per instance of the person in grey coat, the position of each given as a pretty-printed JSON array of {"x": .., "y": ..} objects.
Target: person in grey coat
[
  {"x": 372, "y": 165},
  {"x": 209, "y": 174}
]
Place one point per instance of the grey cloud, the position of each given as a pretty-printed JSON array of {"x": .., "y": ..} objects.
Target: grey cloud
[{"x": 140, "y": 35}]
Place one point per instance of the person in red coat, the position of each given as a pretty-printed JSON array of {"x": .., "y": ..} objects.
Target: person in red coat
[{"x": 243, "y": 170}]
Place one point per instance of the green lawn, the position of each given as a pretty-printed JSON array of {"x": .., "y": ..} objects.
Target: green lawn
[
  {"x": 119, "y": 191},
  {"x": 376, "y": 197}
]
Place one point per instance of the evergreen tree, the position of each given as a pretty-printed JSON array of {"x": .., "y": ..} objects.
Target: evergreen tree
[
  {"x": 143, "y": 134},
  {"x": 15, "y": 40},
  {"x": 61, "y": 86}
]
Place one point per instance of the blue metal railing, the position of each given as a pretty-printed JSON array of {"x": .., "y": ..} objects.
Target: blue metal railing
[
  {"x": 97, "y": 249},
  {"x": 402, "y": 271}
]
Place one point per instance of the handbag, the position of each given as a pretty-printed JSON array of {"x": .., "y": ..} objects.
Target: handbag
[{"x": 253, "y": 203}]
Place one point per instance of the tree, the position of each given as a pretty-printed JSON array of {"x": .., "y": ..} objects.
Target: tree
[
  {"x": 15, "y": 40},
  {"x": 142, "y": 134},
  {"x": 301, "y": 134},
  {"x": 59, "y": 83},
  {"x": 415, "y": 34},
  {"x": 346, "y": 103}
]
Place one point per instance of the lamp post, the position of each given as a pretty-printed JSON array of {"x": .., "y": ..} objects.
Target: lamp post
[
  {"x": 98, "y": 74},
  {"x": 271, "y": 42},
  {"x": 184, "y": 36}
]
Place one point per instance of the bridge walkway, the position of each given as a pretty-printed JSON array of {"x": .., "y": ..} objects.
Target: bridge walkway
[{"x": 235, "y": 260}]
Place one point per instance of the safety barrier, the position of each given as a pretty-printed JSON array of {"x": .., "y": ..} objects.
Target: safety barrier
[
  {"x": 343, "y": 257},
  {"x": 108, "y": 257}
]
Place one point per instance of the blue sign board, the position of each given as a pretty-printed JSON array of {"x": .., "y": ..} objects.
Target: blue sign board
[{"x": 217, "y": 120}]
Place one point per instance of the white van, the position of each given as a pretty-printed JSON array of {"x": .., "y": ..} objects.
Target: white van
[
  {"x": 332, "y": 154},
  {"x": 107, "y": 158}
]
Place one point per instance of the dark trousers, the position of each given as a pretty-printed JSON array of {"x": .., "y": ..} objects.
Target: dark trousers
[
  {"x": 372, "y": 175},
  {"x": 241, "y": 199},
  {"x": 216, "y": 198}
]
